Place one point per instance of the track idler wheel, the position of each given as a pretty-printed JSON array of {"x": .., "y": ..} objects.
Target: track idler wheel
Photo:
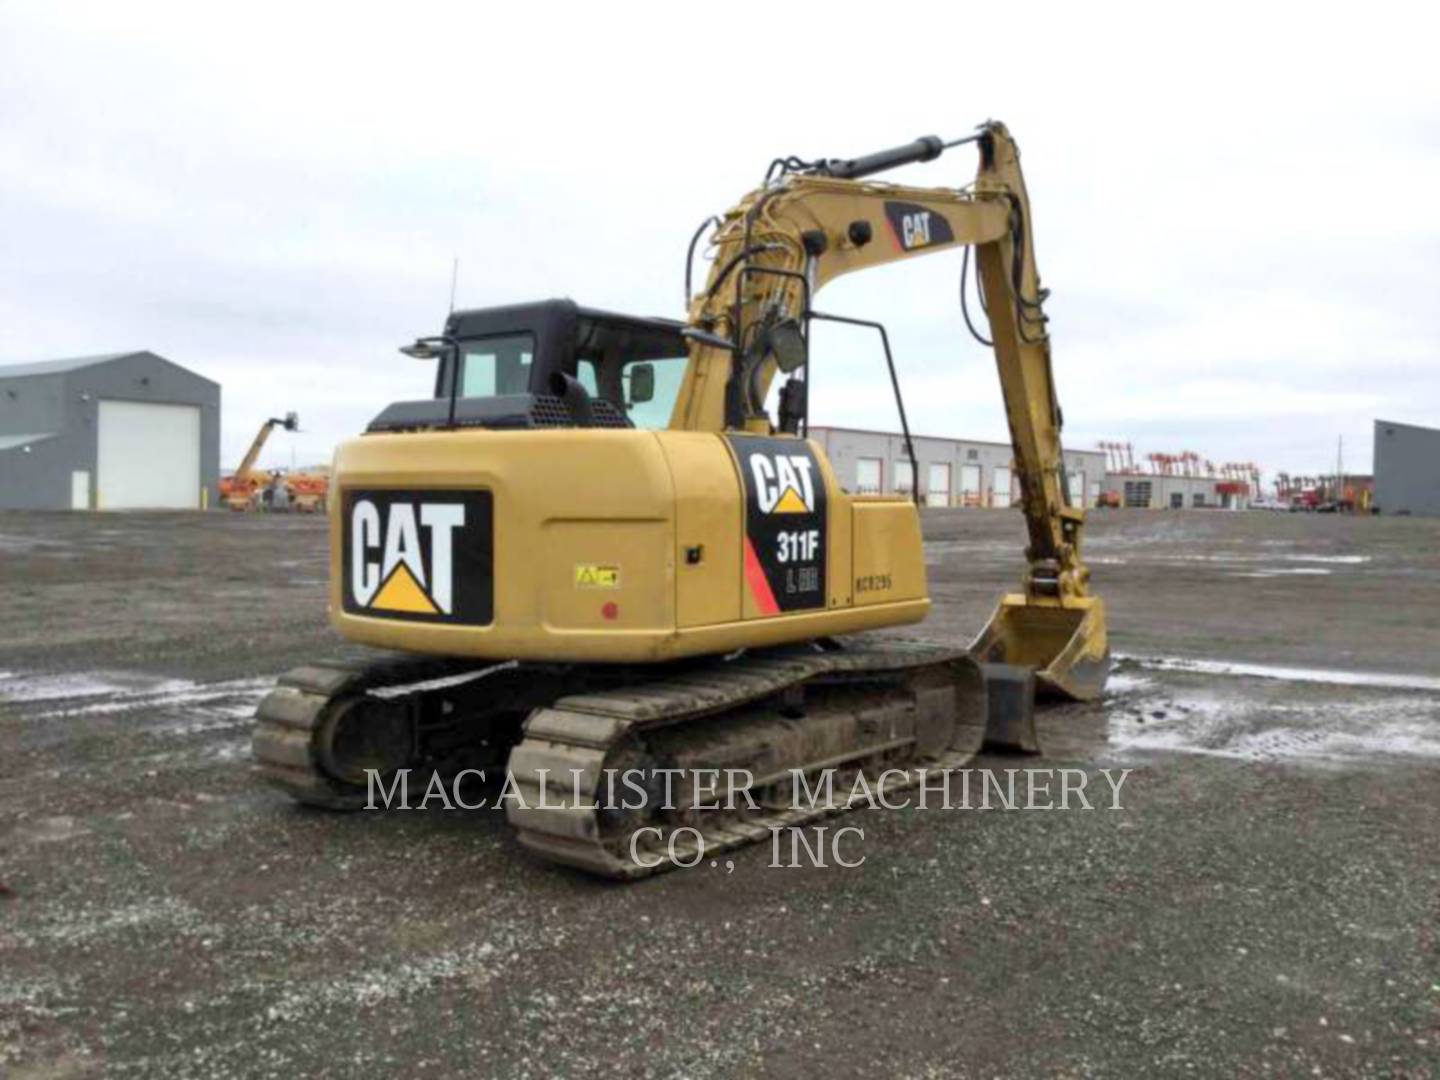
[{"x": 360, "y": 734}]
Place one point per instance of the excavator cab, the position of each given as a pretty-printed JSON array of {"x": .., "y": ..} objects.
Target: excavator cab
[{"x": 547, "y": 364}]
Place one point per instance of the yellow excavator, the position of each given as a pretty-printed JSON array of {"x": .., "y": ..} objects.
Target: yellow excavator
[{"x": 594, "y": 552}]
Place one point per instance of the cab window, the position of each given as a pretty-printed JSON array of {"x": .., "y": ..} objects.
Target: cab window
[
  {"x": 668, "y": 372},
  {"x": 499, "y": 365},
  {"x": 586, "y": 372},
  {"x": 636, "y": 365}
]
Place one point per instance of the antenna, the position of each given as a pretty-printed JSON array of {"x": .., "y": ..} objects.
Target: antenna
[{"x": 454, "y": 276}]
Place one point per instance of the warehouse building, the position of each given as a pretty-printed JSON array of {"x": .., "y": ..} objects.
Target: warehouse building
[
  {"x": 953, "y": 472},
  {"x": 121, "y": 431},
  {"x": 1159, "y": 491},
  {"x": 1407, "y": 469}
]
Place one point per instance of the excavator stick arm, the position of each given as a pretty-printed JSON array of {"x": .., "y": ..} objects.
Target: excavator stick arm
[{"x": 785, "y": 241}]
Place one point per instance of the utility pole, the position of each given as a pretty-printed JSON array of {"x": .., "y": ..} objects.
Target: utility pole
[
  {"x": 1339, "y": 470},
  {"x": 454, "y": 276}
]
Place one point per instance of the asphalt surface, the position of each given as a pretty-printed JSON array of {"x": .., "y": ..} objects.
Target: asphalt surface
[{"x": 1266, "y": 901}]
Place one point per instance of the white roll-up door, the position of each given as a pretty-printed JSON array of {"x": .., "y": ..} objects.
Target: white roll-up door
[
  {"x": 969, "y": 485},
  {"x": 904, "y": 477},
  {"x": 937, "y": 490},
  {"x": 1000, "y": 486},
  {"x": 867, "y": 476},
  {"x": 149, "y": 456}
]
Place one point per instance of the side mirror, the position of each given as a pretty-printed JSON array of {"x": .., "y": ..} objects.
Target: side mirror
[
  {"x": 427, "y": 348},
  {"x": 786, "y": 343},
  {"x": 642, "y": 382}
]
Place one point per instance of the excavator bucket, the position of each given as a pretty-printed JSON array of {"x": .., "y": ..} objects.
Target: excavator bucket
[
  {"x": 1065, "y": 646},
  {"x": 1033, "y": 649}
]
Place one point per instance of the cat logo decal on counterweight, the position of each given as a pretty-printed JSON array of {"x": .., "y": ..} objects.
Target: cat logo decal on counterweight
[
  {"x": 419, "y": 555},
  {"x": 785, "y": 523}
]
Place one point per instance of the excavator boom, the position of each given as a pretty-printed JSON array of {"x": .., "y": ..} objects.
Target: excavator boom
[{"x": 784, "y": 242}]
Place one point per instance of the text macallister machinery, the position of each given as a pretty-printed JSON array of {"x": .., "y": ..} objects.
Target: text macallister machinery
[{"x": 593, "y": 548}]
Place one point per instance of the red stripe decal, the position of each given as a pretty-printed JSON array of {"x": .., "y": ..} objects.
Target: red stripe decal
[
  {"x": 759, "y": 583},
  {"x": 895, "y": 234}
]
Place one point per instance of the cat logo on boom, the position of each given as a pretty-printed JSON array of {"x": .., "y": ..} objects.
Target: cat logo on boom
[
  {"x": 414, "y": 554},
  {"x": 915, "y": 227}
]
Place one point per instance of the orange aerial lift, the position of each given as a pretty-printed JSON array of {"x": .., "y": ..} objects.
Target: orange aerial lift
[{"x": 240, "y": 490}]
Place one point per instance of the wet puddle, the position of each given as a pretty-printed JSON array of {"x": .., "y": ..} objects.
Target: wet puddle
[{"x": 1269, "y": 713}]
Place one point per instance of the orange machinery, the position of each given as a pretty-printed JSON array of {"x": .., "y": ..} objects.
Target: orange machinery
[
  {"x": 308, "y": 489},
  {"x": 241, "y": 490}
]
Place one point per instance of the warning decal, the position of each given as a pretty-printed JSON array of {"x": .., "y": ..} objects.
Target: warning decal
[
  {"x": 589, "y": 576},
  {"x": 785, "y": 523}
]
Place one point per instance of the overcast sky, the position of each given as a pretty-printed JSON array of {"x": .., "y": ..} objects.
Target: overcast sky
[{"x": 1238, "y": 213}]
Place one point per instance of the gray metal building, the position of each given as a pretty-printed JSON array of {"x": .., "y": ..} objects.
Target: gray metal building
[
  {"x": 1407, "y": 469},
  {"x": 953, "y": 472},
  {"x": 1154, "y": 491},
  {"x": 120, "y": 431}
]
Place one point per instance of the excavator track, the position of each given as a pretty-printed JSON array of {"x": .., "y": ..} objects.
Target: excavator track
[
  {"x": 295, "y": 723},
  {"x": 884, "y": 706},
  {"x": 898, "y": 709}
]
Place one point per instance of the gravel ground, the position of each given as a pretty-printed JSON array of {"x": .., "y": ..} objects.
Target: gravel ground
[{"x": 1267, "y": 900}]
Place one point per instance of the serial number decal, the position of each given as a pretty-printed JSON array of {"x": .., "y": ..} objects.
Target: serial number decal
[{"x": 872, "y": 583}]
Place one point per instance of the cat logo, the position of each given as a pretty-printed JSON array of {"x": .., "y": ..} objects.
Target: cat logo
[
  {"x": 783, "y": 483},
  {"x": 419, "y": 555},
  {"x": 915, "y": 227},
  {"x": 390, "y": 568}
]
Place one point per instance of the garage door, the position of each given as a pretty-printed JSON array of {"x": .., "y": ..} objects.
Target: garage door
[
  {"x": 937, "y": 491},
  {"x": 1000, "y": 486},
  {"x": 149, "y": 456},
  {"x": 969, "y": 485},
  {"x": 904, "y": 477},
  {"x": 867, "y": 476}
]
